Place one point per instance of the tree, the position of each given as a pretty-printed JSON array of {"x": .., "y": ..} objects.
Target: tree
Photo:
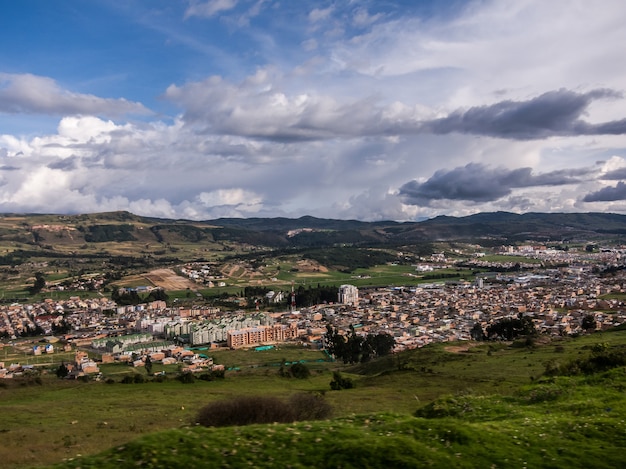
[
  {"x": 382, "y": 344},
  {"x": 62, "y": 371},
  {"x": 589, "y": 323},
  {"x": 148, "y": 364},
  {"x": 339, "y": 382},
  {"x": 62, "y": 327},
  {"x": 477, "y": 332},
  {"x": 299, "y": 370},
  {"x": 335, "y": 343},
  {"x": 355, "y": 348},
  {"x": 511, "y": 328},
  {"x": 158, "y": 294},
  {"x": 186, "y": 378},
  {"x": 40, "y": 283},
  {"x": 125, "y": 297}
]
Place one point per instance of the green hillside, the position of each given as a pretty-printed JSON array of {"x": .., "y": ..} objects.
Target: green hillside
[{"x": 542, "y": 403}]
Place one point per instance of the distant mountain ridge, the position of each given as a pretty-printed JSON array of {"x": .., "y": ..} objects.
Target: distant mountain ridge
[
  {"x": 493, "y": 225},
  {"x": 307, "y": 231}
]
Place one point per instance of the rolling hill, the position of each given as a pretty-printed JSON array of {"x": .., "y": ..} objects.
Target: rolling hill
[{"x": 64, "y": 233}]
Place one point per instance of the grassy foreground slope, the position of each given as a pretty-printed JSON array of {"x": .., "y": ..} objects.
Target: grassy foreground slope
[
  {"x": 568, "y": 422},
  {"x": 547, "y": 421}
]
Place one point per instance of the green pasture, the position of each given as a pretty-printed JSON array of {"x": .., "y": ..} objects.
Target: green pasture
[
  {"x": 383, "y": 440},
  {"x": 61, "y": 419},
  {"x": 381, "y": 275}
]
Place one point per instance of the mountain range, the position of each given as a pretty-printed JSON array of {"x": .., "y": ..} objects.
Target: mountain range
[{"x": 58, "y": 231}]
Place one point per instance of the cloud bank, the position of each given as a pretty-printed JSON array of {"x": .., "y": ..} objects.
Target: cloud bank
[{"x": 361, "y": 109}]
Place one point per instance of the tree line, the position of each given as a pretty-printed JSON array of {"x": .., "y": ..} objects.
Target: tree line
[{"x": 354, "y": 348}]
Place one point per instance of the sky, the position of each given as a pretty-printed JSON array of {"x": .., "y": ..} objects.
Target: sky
[{"x": 356, "y": 109}]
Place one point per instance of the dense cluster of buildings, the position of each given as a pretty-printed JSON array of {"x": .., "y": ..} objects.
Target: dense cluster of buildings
[
  {"x": 73, "y": 313},
  {"x": 556, "y": 299},
  {"x": 204, "y": 274}
]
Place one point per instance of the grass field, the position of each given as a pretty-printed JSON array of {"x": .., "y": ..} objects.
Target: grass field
[
  {"x": 283, "y": 279},
  {"x": 45, "y": 423}
]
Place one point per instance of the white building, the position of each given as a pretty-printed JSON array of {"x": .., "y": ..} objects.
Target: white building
[{"x": 349, "y": 295}]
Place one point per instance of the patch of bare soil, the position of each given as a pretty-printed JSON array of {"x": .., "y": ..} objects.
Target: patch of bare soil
[
  {"x": 306, "y": 265},
  {"x": 233, "y": 271},
  {"x": 461, "y": 348},
  {"x": 169, "y": 280}
]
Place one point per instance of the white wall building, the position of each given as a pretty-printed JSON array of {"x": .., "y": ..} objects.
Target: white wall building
[{"x": 348, "y": 295}]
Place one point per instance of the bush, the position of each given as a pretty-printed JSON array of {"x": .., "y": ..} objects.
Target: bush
[
  {"x": 247, "y": 410},
  {"x": 212, "y": 375},
  {"x": 299, "y": 370},
  {"x": 544, "y": 393},
  {"x": 308, "y": 406},
  {"x": 244, "y": 411},
  {"x": 186, "y": 378},
  {"x": 447, "y": 406},
  {"x": 128, "y": 379},
  {"x": 339, "y": 382},
  {"x": 133, "y": 379},
  {"x": 602, "y": 358}
]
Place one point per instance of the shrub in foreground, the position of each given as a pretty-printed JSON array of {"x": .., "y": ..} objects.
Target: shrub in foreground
[
  {"x": 602, "y": 358},
  {"x": 248, "y": 410},
  {"x": 339, "y": 382}
]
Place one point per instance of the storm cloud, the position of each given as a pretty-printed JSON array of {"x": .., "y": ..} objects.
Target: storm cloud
[
  {"x": 555, "y": 113},
  {"x": 616, "y": 174},
  {"x": 476, "y": 182},
  {"x": 608, "y": 194},
  {"x": 261, "y": 108}
]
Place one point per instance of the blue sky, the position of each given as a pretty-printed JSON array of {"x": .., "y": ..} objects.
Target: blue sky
[{"x": 361, "y": 109}]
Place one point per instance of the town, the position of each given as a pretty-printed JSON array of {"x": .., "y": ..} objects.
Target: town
[{"x": 575, "y": 297}]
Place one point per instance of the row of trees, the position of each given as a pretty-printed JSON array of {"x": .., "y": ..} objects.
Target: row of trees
[
  {"x": 354, "y": 348},
  {"x": 520, "y": 326},
  {"x": 305, "y": 297},
  {"x": 131, "y": 297},
  {"x": 505, "y": 329}
]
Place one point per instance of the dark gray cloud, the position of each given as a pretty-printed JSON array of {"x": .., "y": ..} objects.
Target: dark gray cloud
[
  {"x": 215, "y": 106},
  {"x": 607, "y": 194},
  {"x": 476, "y": 182},
  {"x": 550, "y": 114},
  {"x": 65, "y": 164},
  {"x": 615, "y": 175}
]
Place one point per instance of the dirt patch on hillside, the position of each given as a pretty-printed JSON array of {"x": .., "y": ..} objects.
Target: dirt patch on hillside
[
  {"x": 169, "y": 280},
  {"x": 306, "y": 265},
  {"x": 234, "y": 271},
  {"x": 461, "y": 348}
]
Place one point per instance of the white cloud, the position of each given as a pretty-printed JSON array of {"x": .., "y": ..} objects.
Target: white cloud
[
  {"x": 233, "y": 197},
  {"x": 209, "y": 8},
  {"x": 319, "y": 14},
  {"x": 363, "y": 18},
  {"x": 331, "y": 110},
  {"x": 30, "y": 94},
  {"x": 260, "y": 107},
  {"x": 526, "y": 47}
]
